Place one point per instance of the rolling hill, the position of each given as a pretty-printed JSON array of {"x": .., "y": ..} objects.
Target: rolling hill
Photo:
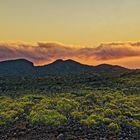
[{"x": 22, "y": 67}]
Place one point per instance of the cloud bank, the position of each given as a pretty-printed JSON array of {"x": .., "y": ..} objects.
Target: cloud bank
[{"x": 44, "y": 53}]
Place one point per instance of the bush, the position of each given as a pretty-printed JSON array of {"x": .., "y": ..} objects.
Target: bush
[
  {"x": 109, "y": 113},
  {"x": 88, "y": 122},
  {"x": 136, "y": 124},
  {"x": 49, "y": 117},
  {"x": 107, "y": 121},
  {"x": 9, "y": 116},
  {"x": 77, "y": 115},
  {"x": 114, "y": 127},
  {"x": 65, "y": 106},
  {"x": 136, "y": 116},
  {"x": 91, "y": 120}
]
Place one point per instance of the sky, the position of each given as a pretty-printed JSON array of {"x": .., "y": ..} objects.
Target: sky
[{"x": 75, "y": 23}]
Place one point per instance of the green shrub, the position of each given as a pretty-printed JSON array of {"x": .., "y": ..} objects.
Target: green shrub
[
  {"x": 9, "y": 115},
  {"x": 65, "y": 106},
  {"x": 49, "y": 117},
  {"x": 122, "y": 119},
  {"x": 111, "y": 106},
  {"x": 77, "y": 114},
  {"x": 114, "y": 127},
  {"x": 88, "y": 122},
  {"x": 109, "y": 113},
  {"x": 136, "y": 124},
  {"x": 106, "y": 121},
  {"x": 136, "y": 116},
  {"x": 128, "y": 114},
  {"x": 91, "y": 120}
]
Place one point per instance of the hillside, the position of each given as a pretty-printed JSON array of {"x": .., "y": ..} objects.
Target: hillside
[
  {"x": 22, "y": 67},
  {"x": 66, "y": 100},
  {"x": 18, "y": 67}
]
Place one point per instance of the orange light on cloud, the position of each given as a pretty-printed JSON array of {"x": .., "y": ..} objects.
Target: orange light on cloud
[{"x": 124, "y": 54}]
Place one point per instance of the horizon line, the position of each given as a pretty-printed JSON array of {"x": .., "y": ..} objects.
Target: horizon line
[{"x": 64, "y": 60}]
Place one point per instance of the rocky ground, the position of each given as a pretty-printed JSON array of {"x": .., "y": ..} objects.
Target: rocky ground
[{"x": 71, "y": 131}]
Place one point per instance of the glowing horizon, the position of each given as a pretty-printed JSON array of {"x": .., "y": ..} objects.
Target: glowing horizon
[
  {"x": 123, "y": 54},
  {"x": 98, "y": 31},
  {"x": 77, "y": 22}
]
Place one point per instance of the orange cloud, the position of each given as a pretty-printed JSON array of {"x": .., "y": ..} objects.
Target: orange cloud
[{"x": 43, "y": 53}]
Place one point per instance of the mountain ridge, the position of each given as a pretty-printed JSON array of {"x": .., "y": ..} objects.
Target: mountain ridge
[{"x": 19, "y": 67}]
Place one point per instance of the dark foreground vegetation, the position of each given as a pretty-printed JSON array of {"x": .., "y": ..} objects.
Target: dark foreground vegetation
[{"x": 72, "y": 106}]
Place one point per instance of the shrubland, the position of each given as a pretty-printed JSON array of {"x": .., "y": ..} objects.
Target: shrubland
[{"x": 114, "y": 111}]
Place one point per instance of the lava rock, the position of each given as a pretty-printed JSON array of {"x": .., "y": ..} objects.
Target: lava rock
[{"x": 60, "y": 137}]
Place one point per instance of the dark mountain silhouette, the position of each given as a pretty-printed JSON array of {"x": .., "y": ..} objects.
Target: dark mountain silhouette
[
  {"x": 110, "y": 70},
  {"x": 22, "y": 67},
  {"x": 16, "y": 67},
  {"x": 66, "y": 66}
]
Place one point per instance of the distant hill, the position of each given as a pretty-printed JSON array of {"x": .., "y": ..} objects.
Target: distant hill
[
  {"x": 22, "y": 67},
  {"x": 110, "y": 70},
  {"x": 63, "y": 67},
  {"x": 17, "y": 67}
]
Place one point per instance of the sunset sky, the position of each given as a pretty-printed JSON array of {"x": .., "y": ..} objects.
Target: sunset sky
[{"x": 70, "y": 26}]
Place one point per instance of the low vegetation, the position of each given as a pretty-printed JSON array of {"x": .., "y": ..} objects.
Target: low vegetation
[
  {"x": 70, "y": 107},
  {"x": 115, "y": 112}
]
